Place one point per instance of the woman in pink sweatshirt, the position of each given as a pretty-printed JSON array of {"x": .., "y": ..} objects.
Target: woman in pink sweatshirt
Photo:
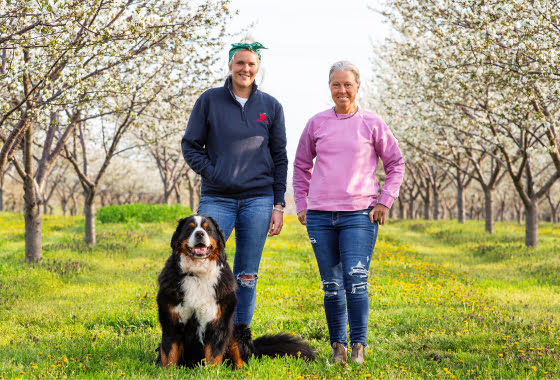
[{"x": 338, "y": 199}]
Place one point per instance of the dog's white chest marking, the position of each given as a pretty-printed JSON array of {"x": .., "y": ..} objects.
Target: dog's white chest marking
[{"x": 199, "y": 295}]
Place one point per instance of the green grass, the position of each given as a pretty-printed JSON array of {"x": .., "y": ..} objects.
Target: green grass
[
  {"x": 446, "y": 301},
  {"x": 141, "y": 213}
]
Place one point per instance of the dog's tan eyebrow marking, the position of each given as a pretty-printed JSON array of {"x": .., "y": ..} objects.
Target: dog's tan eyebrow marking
[
  {"x": 205, "y": 224},
  {"x": 192, "y": 224}
]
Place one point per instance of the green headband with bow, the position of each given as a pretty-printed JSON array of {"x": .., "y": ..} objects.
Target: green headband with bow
[{"x": 254, "y": 47}]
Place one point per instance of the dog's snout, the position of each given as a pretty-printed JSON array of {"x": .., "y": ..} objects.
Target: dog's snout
[{"x": 199, "y": 234}]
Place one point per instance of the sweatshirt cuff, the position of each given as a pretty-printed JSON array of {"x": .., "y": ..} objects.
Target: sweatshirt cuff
[
  {"x": 386, "y": 200},
  {"x": 301, "y": 204},
  {"x": 279, "y": 198}
]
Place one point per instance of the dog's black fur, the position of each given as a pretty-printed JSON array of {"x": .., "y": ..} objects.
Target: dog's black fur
[{"x": 187, "y": 339}]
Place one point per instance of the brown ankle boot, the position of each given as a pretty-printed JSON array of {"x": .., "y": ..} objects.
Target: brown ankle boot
[
  {"x": 358, "y": 353},
  {"x": 339, "y": 353}
]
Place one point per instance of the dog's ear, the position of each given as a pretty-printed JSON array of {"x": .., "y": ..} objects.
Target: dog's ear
[
  {"x": 177, "y": 233},
  {"x": 220, "y": 233}
]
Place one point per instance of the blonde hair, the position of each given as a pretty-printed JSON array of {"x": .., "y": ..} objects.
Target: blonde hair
[{"x": 345, "y": 65}]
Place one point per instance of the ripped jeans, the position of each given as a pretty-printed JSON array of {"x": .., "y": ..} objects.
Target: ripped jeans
[
  {"x": 343, "y": 243},
  {"x": 250, "y": 217}
]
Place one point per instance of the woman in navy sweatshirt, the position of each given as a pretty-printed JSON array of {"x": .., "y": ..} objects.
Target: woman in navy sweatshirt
[{"x": 236, "y": 141}]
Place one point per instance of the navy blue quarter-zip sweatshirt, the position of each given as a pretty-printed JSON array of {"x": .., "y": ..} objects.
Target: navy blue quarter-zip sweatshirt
[{"x": 240, "y": 152}]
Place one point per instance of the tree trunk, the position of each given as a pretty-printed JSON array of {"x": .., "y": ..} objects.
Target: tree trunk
[
  {"x": 178, "y": 194},
  {"x": 488, "y": 211},
  {"x": 31, "y": 208},
  {"x": 411, "y": 208},
  {"x": 426, "y": 200},
  {"x": 502, "y": 209},
  {"x": 2, "y": 193},
  {"x": 2, "y": 175},
  {"x": 191, "y": 196},
  {"x": 166, "y": 197},
  {"x": 401, "y": 208},
  {"x": 436, "y": 206},
  {"x": 460, "y": 203},
  {"x": 449, "y": 210},
  {"x": 89, "y": 214},
  {"x": 553, "y": 208},
  {"x": 426, "y": 211},
  {"x": 74, "y": 206},
  {"x": 33, "y": 223},
  {"x": 532, "y": 224}
]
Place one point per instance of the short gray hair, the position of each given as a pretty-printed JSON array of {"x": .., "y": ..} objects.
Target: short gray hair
[{"x": 345, "y": 65}]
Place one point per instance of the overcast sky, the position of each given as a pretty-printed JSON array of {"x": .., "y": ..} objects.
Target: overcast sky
[{"x": 304, "y": 38}]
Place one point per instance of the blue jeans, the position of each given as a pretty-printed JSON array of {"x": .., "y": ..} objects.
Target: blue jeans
[
  {"x": 343, "y": 243},
  {"x": 250, "y": 217}
]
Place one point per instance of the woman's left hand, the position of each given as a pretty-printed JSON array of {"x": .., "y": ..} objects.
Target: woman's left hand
[
  {"x": 276, "y": 222},
  {"x": 378, "y": 214}
]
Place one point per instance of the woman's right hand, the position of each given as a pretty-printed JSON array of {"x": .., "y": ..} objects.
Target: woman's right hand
[{"x": 302, "y": 216}]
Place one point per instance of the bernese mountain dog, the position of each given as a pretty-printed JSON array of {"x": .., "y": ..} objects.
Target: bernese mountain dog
[{"x": 196, "y": 301}]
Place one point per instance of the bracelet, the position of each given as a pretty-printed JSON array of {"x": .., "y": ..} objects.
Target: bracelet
[{"x": 278, "y": 209}]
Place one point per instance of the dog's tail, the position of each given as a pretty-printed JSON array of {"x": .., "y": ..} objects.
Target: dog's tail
[
  {"x": 281, "y": 345},
  {"x": 271, "y": 345}
]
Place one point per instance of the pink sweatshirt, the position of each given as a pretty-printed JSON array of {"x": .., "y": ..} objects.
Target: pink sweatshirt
[{"x": 346, "y": 154}]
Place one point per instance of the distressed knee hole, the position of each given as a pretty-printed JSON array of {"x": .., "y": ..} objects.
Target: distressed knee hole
[
  {"x": 330, "y": 288},
  {"x": 359, "y": 270},
  {"x": 312, "y": 240},
  {"x": 247, "y": 280},
  {"x": 359, "y": 288}
]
